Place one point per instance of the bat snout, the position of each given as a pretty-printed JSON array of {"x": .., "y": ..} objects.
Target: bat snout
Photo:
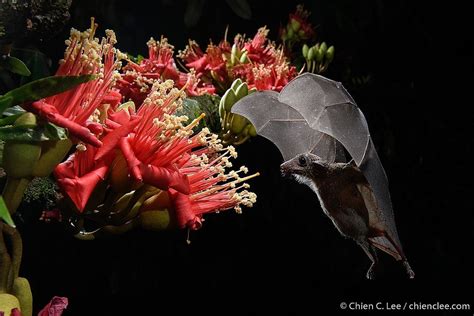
[{"x": 287, "y": 169}]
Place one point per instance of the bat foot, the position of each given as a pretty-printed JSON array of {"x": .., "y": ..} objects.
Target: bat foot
[
  {"x": 371, "y": 273},
  {"x": 408, "y": 269}
]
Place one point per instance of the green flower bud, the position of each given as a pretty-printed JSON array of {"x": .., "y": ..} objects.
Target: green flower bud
[
  {"x": 8, "y": 302},
  {"x": 323, "y": 48},
  {"x": 295, "y": 25},
  {"x": 311, "y": 53},
  {"x": 156, "y": 220},
  {"x": 238, "y": 123},
  {"x": 330, "y": 54},
  {"x": 291, "y": 33},
  {"x": 242, "y": 91},
  {"x": 237, "y": 82},
  {"x": 243, "y": 58},
  {"x": 252, "y": 131},
  {"x": 22, "y": 291},
  {"x": 319, "y": 55},
  {"x": 305, "y": 50},
  {"x": 229, "y": 99},
  {"x": 20, "y": 158}
]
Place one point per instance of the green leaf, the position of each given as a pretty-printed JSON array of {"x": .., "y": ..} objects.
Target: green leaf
[
  {"x": 9, "y": 120},
  {"x": 32, "y": 133},
  {"x": 14, "y": 110},
  {"x": 41, "y": 88},
  {"x": 14, "y": 65},
  {"x": 5, "y": 214},
  {"x": 207, "y": 104}
]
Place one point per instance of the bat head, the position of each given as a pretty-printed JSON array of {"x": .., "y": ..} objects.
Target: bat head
[{"x": 304, "y": 166}]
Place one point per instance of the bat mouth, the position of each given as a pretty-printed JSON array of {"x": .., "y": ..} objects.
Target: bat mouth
[{"x": 288, "y": 172}]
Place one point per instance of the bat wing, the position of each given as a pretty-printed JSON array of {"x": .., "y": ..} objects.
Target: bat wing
[
  {"x": 328, "y": 108},
  {"x": 285, "y": 127}
]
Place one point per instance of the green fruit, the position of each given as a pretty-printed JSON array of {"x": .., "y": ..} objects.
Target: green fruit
[
  {"x": 229, "y": 99},
  {"x": 156, "y": 220},
  {"x": 330, "y": 54},
  {"x": 22, "y": 290},
  {"x": 242, "y": 91},
  {"x": 238, "y": 123},
  {"x": 7, "y": 303},
  {"x": 305, "y": 50}
]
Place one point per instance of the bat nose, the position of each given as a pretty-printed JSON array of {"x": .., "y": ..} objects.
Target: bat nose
[{"x": 285, "y": 171}]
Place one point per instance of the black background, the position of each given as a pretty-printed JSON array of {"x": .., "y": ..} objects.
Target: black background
[{"x": 284, "y": 257}]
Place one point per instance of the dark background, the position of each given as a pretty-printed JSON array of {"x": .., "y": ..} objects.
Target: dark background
[{"x": 284, "y": 257}]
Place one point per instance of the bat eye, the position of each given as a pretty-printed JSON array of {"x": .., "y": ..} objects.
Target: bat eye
[{"x": 302, "y": 161}]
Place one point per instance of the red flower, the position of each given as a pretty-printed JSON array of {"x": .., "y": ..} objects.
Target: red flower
[
  {"x": 137, "y": 80},
  {"x": 72, "y": 109},
  {"x": 79, "y": 175}
]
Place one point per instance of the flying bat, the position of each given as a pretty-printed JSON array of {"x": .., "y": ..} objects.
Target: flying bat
[{"x": 314, "y": 121}]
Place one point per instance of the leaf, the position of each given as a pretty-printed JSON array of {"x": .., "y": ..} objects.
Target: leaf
[
  {"x": 5, "y": 214},
  {"x": 9, "y": 120},
  {"x": 14, "y": 110},
  {"x": 207, "y": 104},
  {"x": 14, "y": 65},
  {"x": 32, "y": 133},
  {"x": 41, "y": 88},
  {"x": 241, "y": 8}
]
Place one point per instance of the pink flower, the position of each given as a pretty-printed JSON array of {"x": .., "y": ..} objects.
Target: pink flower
[
  {"x": 55, "y": 307},
  {"x": 72, "y": 109}
]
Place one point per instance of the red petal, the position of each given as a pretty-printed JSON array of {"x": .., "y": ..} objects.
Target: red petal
[
  {"x": 80, "y": 189},
  {"x": 164, "y": 178},
  {"x": 50, "y": 113},
  {"x": 111, "y": 140},
  {"x": 132, "y": 161},
  {"x": 184, "y": 213}
]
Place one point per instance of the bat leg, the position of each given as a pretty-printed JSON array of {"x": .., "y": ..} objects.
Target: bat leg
[
  {"x": 372, "y": 254},
  {"x": 406, "y": 265},
  {"x": 408, "y": 269}
]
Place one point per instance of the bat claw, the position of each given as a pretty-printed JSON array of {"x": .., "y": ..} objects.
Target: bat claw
[
  {"x": 371, "y": 272},
  {"x": 408, "y": 269}
]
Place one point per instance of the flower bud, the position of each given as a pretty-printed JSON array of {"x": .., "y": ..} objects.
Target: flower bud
[
  {"x": 305, "y": 50},
  {"x": 22, "y": 291},
  {"x": 237, "y": 82},
  {"x": 311, "y": 53},
  {"x": 156, "y": 220},
  {"x": 323, "y": 48},
  {"x": 20, "y": 158},
  {"x": 238, "y": 123},
  {"x": 295, "y": 25},
  {"x": 330, "y": 54},
  {"x": 229, "y": 99},
  {"x": 243, "y": 59},
  {"x": 242, "y": 91},
  {"x": 7, "y": 303}
]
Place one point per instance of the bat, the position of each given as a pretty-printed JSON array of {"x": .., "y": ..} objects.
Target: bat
[{"x": 326, "y": 122}]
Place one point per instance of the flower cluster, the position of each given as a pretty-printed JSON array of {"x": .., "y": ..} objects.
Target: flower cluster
[
  {"x": 144, "y": 152},
  {"x": 138, "y": 78},
  {"x": 257, "y": 61}
]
